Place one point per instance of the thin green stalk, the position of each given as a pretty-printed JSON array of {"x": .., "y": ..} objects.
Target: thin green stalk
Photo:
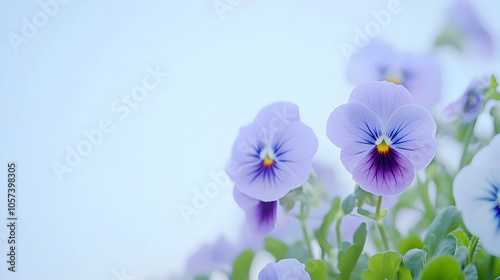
[
  {"x": 424, "y": 193},
  {"x": 303, "y": 218},
  {"x": 337, "y": 228},
  {"x": 468, "y": 137},
  {"x": 492, "y": 266},
  {"x": 380, "y": 224},
  {"x": 472, "y": 248}
]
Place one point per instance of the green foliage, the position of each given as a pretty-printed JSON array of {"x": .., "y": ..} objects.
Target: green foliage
[
  {"x": 462, "y": 238},
  {"x": 275, "y": 247},
  {"x": 440, "y": 228},
  {"x": 348, "y": 204},
  {"x": 317, "y": 269},
  {"x": 349, "y": 254},
  {"x": 288, "y": 201},
  {"x": 414, "y": 261},
  {"x": 442, "y": 268},
  {"x": 242, "y": 264},
  {"x": 447, "y": 246},
  {"x": 470, "y": 272},
  {"x": 322, "y": 232},
  {"x": 461, "y": 254},
  {"x": 383, "y": 266},
  {"x": 412, "y": 242}
]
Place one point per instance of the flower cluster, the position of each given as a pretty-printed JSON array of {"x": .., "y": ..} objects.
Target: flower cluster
[{"x": 407, "y": 214}]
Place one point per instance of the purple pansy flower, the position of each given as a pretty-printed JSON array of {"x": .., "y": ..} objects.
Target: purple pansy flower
[
  {"x": 384, "y": 137},
  {"x": 286, "y": 269},
  {"x": 465, "y": 30},
  {"x": 470, "y": 103},
  {"x": 378, "y": 61},
  {"x": 273, "y": 155},
  {"x": 211, "y": 257}
]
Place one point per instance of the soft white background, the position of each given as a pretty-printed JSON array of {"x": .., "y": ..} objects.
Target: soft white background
[{"x": 119, "y": 207}]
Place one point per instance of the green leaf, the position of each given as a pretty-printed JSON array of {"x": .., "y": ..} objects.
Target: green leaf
[
  {"x": 470, "y": 272},
  {"x": 462, "y": 238},
  {"x": 494, "y": 83},
  {"x": 447, "y": 246},
  {"x": 443, "y": 224},
  {"x": 412, "y": 242},
  {"x": 298, "y": 251},
  {"x": 360, "y": 235},
  {"x": 202, "y": 278},
  {"x": 442, "y": 268},
  {"x": 360, "y": 266},
  {"x": 317, "y": 269},
  {"x": 348, "y": 204},
  {"x": 348, "y": 256},
  {"x": 275, "y": 247},
  {"x": 322, "y": 232},
  {"x": 242, "y": 264},
  {"x": 404, "y": 274},
  {"x": 461, "y": 254},
  {"x": 287, "y": 202},
  {"x": 383, "y": 266},
  {"x": 414, "y": 261}
]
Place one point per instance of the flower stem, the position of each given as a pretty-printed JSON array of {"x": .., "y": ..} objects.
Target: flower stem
[
  {"x": 337, "y": 228},
  {"x": 468, "y": 137},
  {"x": 303, "y": 218},
  {"x": 492, "y": 266},
  {"x": 472, "y": 248},
  {"x": 424, "y": 194},
  {"x": 380, "y": 224}
]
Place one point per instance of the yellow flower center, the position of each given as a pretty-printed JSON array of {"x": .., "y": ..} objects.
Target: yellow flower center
[
  {"x": 394, "y": 78},
  {"x": 267, "y": 162},
  {"x": 383, "y": 147}
]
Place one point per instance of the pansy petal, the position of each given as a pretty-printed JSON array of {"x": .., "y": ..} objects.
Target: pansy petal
[
  {"x": 422, "y": 78},
  {"x": 291, "y": 269},
  {"x": 489, "y": 156},
  {"x": 411, "y": 130},
  {"x": 268, "y": 273},
  {"x": 354, "y": 128},
  {"x": 383, "y": 98},
  {"x": 260, "y": 215},
  {"x": 266, "y": 183},
  {"x": 246, "y": 148},
  {"x": 388, "y": 173},
  {"x": 370, "y": 63},
  {"x": 277, "y": 115},
  {"x": 476, "y": 189},
  {"x": 211, "y": 257},
  {"x": 295, "y": 147}
]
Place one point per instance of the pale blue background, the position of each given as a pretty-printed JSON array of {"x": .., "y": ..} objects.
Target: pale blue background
[{"x": 119, "y": 208}]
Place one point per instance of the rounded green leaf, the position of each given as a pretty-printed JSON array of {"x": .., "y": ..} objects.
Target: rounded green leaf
[
  {"x": 383, "y": 266},
  {"x": 275, "y": 247},
  {"x": 442, "y": 268},
  {"x": 414, "y": 261},
  {"x": 317, "y": 269},
  {"x": 242, "y": 265}
]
